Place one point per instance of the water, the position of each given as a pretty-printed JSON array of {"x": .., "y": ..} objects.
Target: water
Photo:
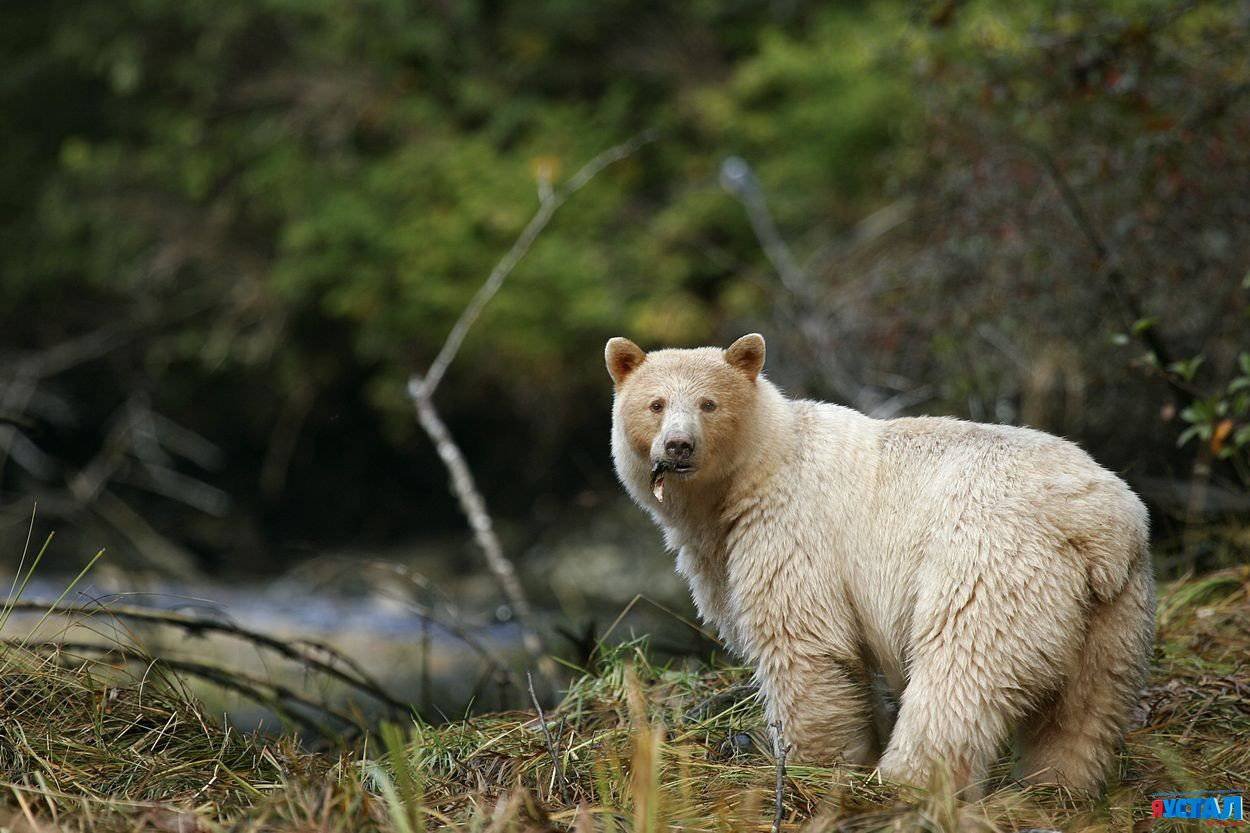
[{"x": 418, "y": 660}]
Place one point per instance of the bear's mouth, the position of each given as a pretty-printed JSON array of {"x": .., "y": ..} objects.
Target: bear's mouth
[{"x": 662, "y": 467}]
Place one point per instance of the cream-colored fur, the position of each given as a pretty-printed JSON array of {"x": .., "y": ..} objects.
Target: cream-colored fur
[{"x": 997, "y": 577}]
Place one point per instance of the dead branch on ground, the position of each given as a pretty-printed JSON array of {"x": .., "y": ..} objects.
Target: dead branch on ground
[
  {"x": 261, "y": 691},
  {"x": 301, "y": 651}
]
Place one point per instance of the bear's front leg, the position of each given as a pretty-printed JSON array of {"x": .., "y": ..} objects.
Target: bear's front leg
[{"x": 824, "y": 706}]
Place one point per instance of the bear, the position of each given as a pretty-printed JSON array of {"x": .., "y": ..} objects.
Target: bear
[{"x": 996, "y": 578}]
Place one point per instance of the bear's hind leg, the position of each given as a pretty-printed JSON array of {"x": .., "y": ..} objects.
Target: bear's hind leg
[
  {"x": 1073, "y": 738},
  {"x": 984, "y": 649}
]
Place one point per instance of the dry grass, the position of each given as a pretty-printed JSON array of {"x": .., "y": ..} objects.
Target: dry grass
[{"x": 88, "y": 746}]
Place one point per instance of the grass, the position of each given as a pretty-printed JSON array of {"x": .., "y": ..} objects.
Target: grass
[{"x": 87, "y": 745}]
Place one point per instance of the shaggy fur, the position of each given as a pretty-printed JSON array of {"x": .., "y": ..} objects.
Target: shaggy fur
[{"x": 997, "y": 577}]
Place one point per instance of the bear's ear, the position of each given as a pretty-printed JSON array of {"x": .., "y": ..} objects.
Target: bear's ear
[
  {"x": 747, "y": 354},
  {"x": 622, "y": 357}
]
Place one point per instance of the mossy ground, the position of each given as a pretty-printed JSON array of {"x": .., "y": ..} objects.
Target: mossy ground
[{"x": 85, "y": 745}]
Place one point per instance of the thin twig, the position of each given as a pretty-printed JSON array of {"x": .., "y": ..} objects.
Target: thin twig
[
  {"x": 195, "y": 626},
  {"x": 557, "y": 771},
  {"x": 779, "y": 755}
]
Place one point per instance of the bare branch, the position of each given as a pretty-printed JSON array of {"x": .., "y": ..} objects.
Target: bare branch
[
  {"x": 175, "y": 485},
  {"x": 150, "y": 544},
  {"x": 69, "y": 354},
  {"x": 185, "y": 443},
  {"x": 900, "y": 402},
  {"x": 421, "y": 390},
  {"x": 262, "y": 691},
  {"x": 551, "y": 200},
  {"x": 810, "y": 314},
  {"x": 738, "y": 179},
  {"x": 474, "y": 508},
  {"x": 301, "y": 652},
  {"x": 131, "y": 434},
  {"x": 780, "y": 752}
]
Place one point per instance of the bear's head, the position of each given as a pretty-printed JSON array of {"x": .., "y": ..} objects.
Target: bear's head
[{"x": 680, "y": 414}]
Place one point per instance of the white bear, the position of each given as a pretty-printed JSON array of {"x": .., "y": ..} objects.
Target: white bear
[{"x": 997, "y": 577}]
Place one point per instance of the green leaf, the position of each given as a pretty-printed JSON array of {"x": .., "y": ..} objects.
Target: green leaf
[
  {"x": 1200, "y": 412},
  {"x": 1187, "y": 368},
  {"x": 1187, "y": 435},
  {"x": 1141, "y": 325}
]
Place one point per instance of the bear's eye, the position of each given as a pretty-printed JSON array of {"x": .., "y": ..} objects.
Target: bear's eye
[
  {"x": 708, "y": 406},
  {"x": 657, "y": 405}
]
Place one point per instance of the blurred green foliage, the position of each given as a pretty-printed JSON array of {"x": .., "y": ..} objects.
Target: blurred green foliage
[
  {"x": 290, "y": 202},
  {"x": 367, "y": 163}
]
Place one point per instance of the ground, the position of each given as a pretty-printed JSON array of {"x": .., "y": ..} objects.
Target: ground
[{"x": 86, "y": 746}]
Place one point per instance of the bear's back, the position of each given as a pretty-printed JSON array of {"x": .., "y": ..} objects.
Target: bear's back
[
  {"x": 962, "y": 453},
  {"x": 944, "y": 473}
]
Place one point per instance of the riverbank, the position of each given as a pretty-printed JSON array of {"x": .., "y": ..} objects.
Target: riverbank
[{"x": 634, "y": 744}]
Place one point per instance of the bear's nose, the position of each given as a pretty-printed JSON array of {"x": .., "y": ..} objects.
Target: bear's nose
[{"x": 679, "y": 447}]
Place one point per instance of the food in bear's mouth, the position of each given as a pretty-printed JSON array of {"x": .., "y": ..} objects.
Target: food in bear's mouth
[{"x": 657, "y": 478}]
